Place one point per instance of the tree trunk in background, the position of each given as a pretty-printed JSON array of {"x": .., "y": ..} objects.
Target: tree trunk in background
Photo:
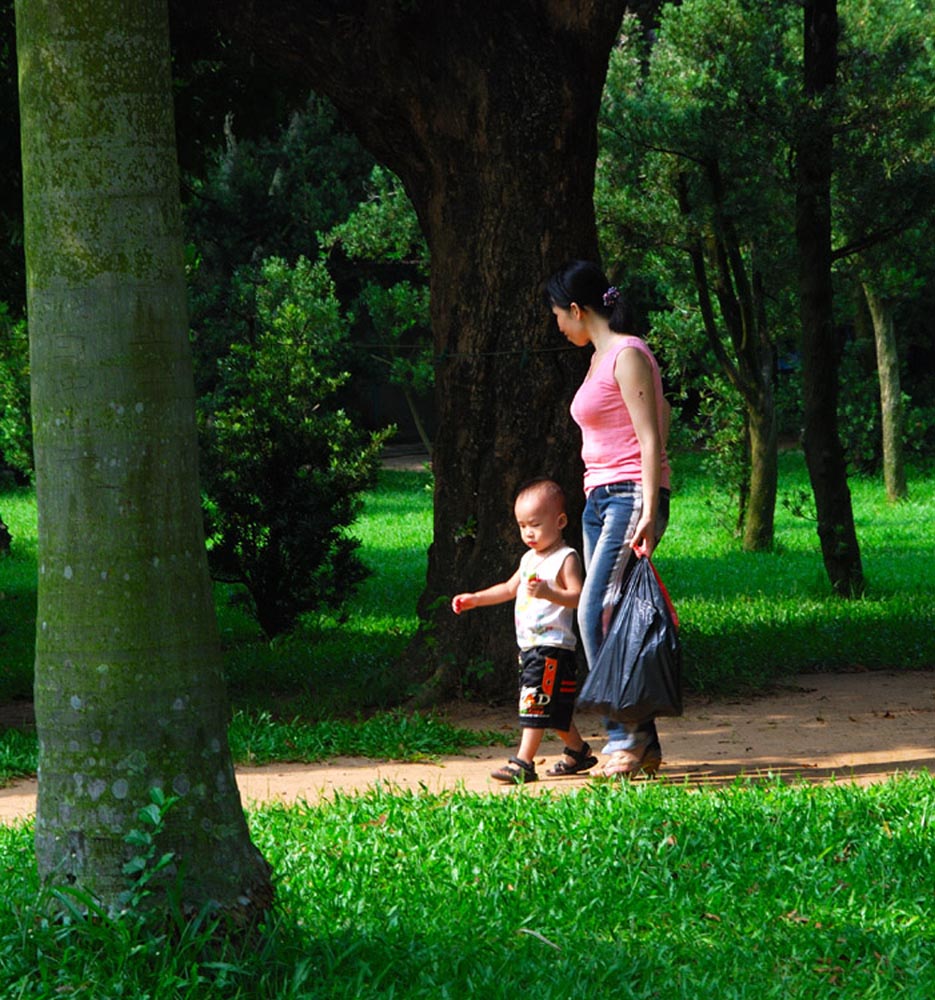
[
  {"x": 719, "y": 265},
  {"x": 821, "y": 349},
  {"x": 892, "y": 414},
  {"x": 487, "y": 111},
  {"x": 129, "y": 690},
  {"x": 759, "y": 530},
  {"x": 759, "y": 524}
]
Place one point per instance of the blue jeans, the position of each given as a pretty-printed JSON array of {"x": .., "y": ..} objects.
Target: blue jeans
[{"x": 610, "y": 516}]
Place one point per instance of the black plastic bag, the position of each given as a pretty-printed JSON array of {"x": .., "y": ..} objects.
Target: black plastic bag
[{"x": 638, "y": 671}]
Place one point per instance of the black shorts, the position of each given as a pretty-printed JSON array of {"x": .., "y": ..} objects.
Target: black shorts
[{"x": 548, "y": 684}]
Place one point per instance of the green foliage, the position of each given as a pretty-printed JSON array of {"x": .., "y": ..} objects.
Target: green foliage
[
  {"x": 697, "y": 134},
  {"x": 383, "y": 239},
  {"x": 885, "y": 157},
  {"x": 382, "y": 227},
  {"x": 693, "y": 135},
  {"x": 146, "y": 864},
  {"x": 18, "y": 575},
  {"x": 400, "y": 315},
  {"x": 283, "y": 465},
  {"x": 859, "y": 411},
  {"x": 694, "y": 200},
  {"x": 262, "y": 199},
  {"x": 920, "y": 433},
  {"x": 15, "y": 425},
  {"x": 283, "y": 460},
  {"x": 272, "y": 197},
  {"x": 859, "y": 415},
  {"x": 722, "y": 440},
  {"x": 757, "y": 891},
  {"x": 337, "y": 665},
  {"x": 12, "y": 261}
]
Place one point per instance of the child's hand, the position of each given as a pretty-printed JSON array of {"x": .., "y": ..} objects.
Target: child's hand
[
  {"x": 537, "y": 588},
  {"x": 462, "y": 602}
]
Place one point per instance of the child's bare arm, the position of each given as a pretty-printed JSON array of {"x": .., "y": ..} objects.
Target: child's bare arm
[
  {"x": 499, "y": 593},
  {"x": 567, "y": 587}
]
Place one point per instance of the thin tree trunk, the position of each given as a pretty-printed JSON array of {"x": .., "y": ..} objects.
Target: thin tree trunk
[
  {"x": 129, "y": 691},
  {"x": 750, "y": 369},
  {"x": 759, "y": 526},
  {"x": 759, "y": 529},
  {"x": 821, "y": 350},
  {"x": 892, "y": 413}
]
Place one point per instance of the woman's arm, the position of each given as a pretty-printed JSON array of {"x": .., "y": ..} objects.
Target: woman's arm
[{"x": 634, "y": 375}]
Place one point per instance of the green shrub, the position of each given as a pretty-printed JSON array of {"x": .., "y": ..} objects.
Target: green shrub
[{"x": 283, "y": 466}]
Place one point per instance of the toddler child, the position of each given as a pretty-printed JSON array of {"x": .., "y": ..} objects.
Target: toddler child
[{"x": 545, "y": 587}]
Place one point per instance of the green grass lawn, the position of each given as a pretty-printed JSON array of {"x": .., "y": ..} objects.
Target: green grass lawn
[
  {"x": 648, "y": 891},
  {"x": 751, "y": 618},
  {"x": 644, "y": 891}
]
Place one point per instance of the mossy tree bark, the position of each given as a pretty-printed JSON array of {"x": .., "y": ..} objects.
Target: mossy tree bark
[{"x": 129, "y": 689}]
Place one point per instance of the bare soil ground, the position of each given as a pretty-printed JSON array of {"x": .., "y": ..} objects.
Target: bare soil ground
[{"x": 855, "y": 727}]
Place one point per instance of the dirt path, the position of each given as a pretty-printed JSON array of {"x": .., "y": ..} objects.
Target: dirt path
[{"x": 860, "y": 727}]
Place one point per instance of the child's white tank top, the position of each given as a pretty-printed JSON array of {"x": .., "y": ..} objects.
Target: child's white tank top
[{"x": 540, "y": 622}]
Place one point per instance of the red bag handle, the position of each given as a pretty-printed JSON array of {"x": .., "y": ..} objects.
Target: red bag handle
[{"x": 641, "y": 554}]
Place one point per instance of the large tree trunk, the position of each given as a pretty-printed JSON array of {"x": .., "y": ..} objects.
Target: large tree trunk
[
  {"x": 891, "y": 397},
  {"x": 487, "y": 111},
  {"x": 129, "y": 690},
  {"x": 821, "y": 350}
]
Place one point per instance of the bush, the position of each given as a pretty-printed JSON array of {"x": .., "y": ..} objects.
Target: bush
[
  {"x": 15, "y": 427},
  {"x": 283, "y": 468}
]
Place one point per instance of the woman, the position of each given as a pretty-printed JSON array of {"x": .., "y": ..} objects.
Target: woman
[{"x": 624, "y": 420}]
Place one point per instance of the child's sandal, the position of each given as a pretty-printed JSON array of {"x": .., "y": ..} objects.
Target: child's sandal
[
  {"x": 516, "y": 771},
  {"x": 583, "y": 759}
]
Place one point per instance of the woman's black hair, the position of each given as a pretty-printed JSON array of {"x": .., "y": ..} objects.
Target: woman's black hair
[{"x": 584, "y": 282}]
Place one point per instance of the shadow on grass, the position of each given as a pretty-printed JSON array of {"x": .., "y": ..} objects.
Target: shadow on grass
[{"x": 17, "y": 629}]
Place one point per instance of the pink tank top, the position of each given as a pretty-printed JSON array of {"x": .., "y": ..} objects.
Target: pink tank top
[{"x": 609, "y": 446}]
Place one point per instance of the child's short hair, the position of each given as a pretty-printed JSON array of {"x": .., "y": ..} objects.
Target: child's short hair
[{"x": 548, "y": 488}]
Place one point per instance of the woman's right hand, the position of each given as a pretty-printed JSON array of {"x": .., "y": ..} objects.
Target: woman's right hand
[{"x": 644, "y": 538}]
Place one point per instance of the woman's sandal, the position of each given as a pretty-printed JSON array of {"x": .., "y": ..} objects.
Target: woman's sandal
[
  {"x": 516, "y": 771},
  {"x": 583, "y": 759},
  {"x": 627, "y": 764}
]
